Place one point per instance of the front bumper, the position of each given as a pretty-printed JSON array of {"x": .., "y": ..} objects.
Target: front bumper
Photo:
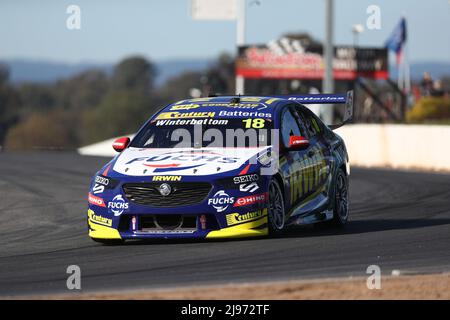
[
  {"x": 125, "y": 210},
  {"x": 102, "y": 228}
]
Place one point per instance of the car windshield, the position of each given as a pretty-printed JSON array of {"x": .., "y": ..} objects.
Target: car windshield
[{"x": 196, "y": 133}]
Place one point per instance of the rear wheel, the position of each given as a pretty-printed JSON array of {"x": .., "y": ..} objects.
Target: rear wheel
[
  {"x": 275, "y": 208},
  {"x": 340, "y": 211}
]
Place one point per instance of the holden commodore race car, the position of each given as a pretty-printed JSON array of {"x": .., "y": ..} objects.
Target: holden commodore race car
[{"x": 224, "y": 167}]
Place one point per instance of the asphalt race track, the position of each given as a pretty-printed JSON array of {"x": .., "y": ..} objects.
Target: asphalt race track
[{"x": 399, "y": 220}]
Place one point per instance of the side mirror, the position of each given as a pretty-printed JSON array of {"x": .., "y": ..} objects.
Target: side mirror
[
  {"x": 120, "y": 144},
  {"x": 298, "y": 143}
]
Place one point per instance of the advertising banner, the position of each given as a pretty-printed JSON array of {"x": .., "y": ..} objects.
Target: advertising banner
[{"x": 290, "y": 59}]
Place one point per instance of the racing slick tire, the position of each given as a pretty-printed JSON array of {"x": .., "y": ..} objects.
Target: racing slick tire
[
  {"x": 275, "y": 209},
  {"x": 340, "y": 208}
]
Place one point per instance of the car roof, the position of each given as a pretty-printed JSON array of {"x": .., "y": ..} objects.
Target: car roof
[{"x": 222, "y": 107}]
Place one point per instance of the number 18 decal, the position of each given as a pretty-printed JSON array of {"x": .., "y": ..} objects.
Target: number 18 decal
[{"x": 254, "y": 123}]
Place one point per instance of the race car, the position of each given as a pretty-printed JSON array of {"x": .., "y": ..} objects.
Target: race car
[{"x": 224, "y": 167}]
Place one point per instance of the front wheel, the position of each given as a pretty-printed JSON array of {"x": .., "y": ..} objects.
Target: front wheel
[
  {"x": 275, "y": 209},
  {"x": 340, "y": 211}
]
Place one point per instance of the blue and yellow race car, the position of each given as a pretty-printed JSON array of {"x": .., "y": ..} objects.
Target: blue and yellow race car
[{"x": 224, "y": 167}]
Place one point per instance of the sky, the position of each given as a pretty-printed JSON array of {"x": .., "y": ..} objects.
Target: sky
[{"x": 161, "y": 30}]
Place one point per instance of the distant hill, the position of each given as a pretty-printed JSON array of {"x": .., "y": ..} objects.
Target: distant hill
[
  {"x": 46, "y": 71},
  {"x": 171, "y": 68}
]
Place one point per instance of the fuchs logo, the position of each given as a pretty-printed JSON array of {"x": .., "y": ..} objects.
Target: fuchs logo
[
  {"x": 173, "y": 161},
  {"x": 220, "y": 201},
  {"x": 117, "y": 205},
  {"x": 250, "y": 200}
]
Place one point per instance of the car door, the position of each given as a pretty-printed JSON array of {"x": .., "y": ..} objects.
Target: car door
[
  {"x": 297, "y": 162},
  {"x": 319, "y": 151}
]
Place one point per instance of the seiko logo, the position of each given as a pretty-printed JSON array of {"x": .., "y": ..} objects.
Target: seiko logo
[
  {"x": 98, "y": 188},
  {"x": 102, "y": 180},
  {"x": 246, "y": 178},
  {"x": 249, "y": 187}
]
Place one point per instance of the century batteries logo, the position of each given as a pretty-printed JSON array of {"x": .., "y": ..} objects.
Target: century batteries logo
[
  {"x": 118, "y": 205},
  {"x": 182, "y": 115},
  {"x": 235, "y": 218},
  {"x": 307, "y": 174},
  {"x": 178, "y": 160},
  {"x": 99, "y": 219},
  {"x": 220, "y": 201}
]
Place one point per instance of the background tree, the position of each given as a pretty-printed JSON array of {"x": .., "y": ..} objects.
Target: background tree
[
  {"x": 220, "y": 76},
  {"x": 42, "y": 131},
  {"x": 120, "y": 113},
  {"x": 35, "y": 97},
  {"x": 178, "y": 88},
  {"x": 9, "y": 104},
  {"x": 93, "y": 106},
  {"x": 4, "y": 74},
  {"x": 134, "y": 73},
  {"x": 127, "y": 103},
  {"x": 82, "y": 92}
]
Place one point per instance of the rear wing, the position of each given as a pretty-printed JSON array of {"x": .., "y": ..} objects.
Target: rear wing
[{"x": 346, "y": 99}]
